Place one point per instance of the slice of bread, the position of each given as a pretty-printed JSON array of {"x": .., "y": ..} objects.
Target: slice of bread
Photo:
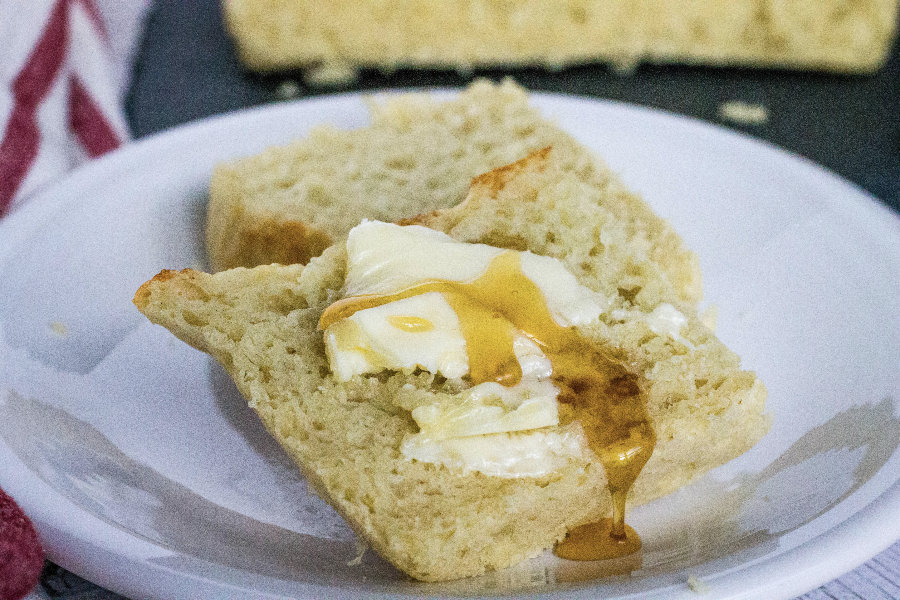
[
  {"x": 289, "y": 203},
  {"x": 335, "y": 37},
  {"x": 431, "y": 522}
]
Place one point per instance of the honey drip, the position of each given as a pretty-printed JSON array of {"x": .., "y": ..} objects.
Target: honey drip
[
  {"x": 596, "y": 541},
  {"x": 604, "y": 396}
]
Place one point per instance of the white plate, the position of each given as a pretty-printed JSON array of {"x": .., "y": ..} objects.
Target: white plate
[{"x": 146, "y": 473}]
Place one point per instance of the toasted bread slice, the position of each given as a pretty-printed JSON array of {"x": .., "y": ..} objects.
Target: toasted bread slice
[
  {"x": 431, "y": 522},
  {"x": 289, "y": 203}
]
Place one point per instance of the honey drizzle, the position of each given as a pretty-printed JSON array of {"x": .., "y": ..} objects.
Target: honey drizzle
[
  {"x": 410, "y": 324},
  {"x": 604, "y": 396}
]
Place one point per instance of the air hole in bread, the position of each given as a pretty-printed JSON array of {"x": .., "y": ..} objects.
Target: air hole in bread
[
  {"x": 194, "y": 292},
  {"x": 629, "y": 294},
  {"x": 286, "y": 302},
  {"x": 525, "y": 130},
  {"x": 505, "y": 240},
  {"x": 673, "y": 400},
  {"x": 578, "y": 15},
  {"x": 318, "y": 194},
  {"x": 646, "y": 339},
  {"x": 192, "y": 319},
  {"x": 439, "y": 383},
  {"x": 699, "y": 31},
  {"x": 402, "y": 163},
  {"x": 484, "y": 147}
]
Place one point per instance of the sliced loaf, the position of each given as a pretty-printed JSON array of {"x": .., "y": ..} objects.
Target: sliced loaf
[
  {"x": 335, "y": 37},
  {"x": 289, "y": 203},
  {"x": 429, "y": 521}
]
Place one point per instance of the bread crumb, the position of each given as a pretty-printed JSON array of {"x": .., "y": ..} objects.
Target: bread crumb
[
  {"x": 697, "y": 585},
  {"x": 330, "y": 74},
  {"x": 624, "y": 65},
  {"x": 287, "y": 90},
  {"x": 360, "y": 550},
  {"x": 465, "y": 70},
  {"x": 709, "y": 316},
  {"x": 59, "y": 329},
  {"x": 744, "y": 113}
]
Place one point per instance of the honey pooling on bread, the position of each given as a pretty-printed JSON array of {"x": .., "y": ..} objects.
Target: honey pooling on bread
[{"x": 606, "y": 398}]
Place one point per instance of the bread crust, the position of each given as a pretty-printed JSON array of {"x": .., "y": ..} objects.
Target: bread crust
[{"x": 238, "y": 238}]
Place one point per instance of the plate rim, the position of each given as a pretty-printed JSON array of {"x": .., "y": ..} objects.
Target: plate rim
[{"x": 804, "y": 565}]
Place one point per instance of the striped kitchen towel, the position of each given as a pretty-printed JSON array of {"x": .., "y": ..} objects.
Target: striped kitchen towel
[{"x": 64, "y": 71}]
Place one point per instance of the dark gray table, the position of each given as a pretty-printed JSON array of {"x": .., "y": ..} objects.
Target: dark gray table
[{"x": 187, "y": 70}]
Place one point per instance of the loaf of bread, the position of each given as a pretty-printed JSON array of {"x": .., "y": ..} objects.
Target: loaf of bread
[
  {"x": 338, "y": 36},
  {"x": 289, "y": 203},
  {"x": 430, "y": 521}
]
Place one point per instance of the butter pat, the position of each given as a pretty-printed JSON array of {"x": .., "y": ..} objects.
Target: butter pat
[
  {"x": 491, "y": 408},
  {"x": 416, "y": 332},
  {"x": 509, "y": 455},
  {"x": 383, "y": 258}
]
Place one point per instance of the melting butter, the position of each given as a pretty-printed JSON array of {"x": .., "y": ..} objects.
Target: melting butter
[
  {"x": 419, "y": 332},
  {"x": 494, "y": 305},
  {"x": 490, "y": 408},
  {"x": 369, "y": 341},
  {"x": 383, "y": 258},
  {"x": 507, "y": 455}
]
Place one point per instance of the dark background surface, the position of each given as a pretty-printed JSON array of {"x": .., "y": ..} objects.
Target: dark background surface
[{"x": 187, "y": 69}]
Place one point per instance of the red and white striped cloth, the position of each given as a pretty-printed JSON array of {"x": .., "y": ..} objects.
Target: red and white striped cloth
[{"x": 64, "y": 71}]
